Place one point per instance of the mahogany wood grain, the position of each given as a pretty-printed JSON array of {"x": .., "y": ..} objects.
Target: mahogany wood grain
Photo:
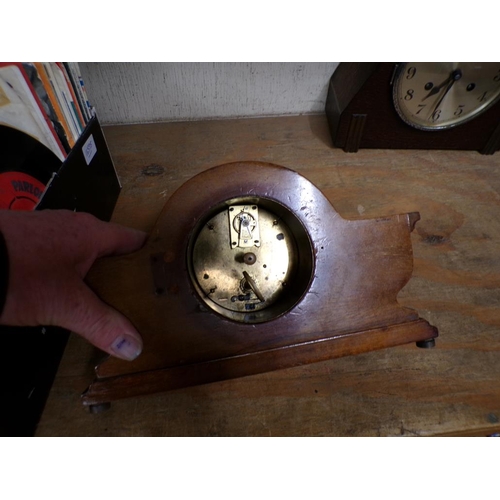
[
  {"x": 105, "y": 390},
  {"x": 452, "y": 389},
  {"x": 357, "y": 270}
]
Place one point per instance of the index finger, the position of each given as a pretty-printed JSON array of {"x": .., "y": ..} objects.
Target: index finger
[{"x": 114, "y": 239}]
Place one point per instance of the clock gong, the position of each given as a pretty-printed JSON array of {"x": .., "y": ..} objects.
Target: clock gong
[
  {"x": 250, "y": 269},
  {"x": 416, "y": 105}
]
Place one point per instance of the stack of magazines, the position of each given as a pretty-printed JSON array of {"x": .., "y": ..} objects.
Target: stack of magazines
[{"x": 47, "y": 101}]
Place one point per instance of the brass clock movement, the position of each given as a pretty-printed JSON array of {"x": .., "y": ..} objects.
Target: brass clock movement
[
  {"x": 250, "y": 269},
  {"x": 251, "y": 262},
  {"x": 416, "y": 105}
]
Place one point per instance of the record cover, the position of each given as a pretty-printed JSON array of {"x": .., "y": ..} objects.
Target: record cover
[
  {"x": 21, "y": 108},
  {"x": 55, "y": 78},
  {"x": 90, "y": 109},
  {"x": 75, "y": 104},
  {"x": 39, "y": 87},
  {"x": 78, "y": 90},
  {"x": 42, "y": 73}
]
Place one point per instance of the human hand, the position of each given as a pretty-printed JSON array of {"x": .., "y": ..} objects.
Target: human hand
[{"x": 50, "y": 252}]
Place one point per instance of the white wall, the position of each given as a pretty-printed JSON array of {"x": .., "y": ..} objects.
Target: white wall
[{"x": 149, "y": 92}]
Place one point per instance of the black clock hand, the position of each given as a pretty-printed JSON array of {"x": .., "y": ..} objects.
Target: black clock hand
[
  {"x": 455, "y": 76},
  {"x": 253, "y": 286},
  {"x": 437, "y": 88}
]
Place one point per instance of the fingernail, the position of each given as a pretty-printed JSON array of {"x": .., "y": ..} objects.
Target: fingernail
[{"x": 126, "y": 347}]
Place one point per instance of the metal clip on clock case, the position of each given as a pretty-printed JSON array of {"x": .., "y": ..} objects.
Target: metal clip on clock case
[{"x": 250, "y": 269}]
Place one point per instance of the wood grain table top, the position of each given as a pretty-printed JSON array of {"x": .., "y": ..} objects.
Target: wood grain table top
[{"x": 453, "y": 389}]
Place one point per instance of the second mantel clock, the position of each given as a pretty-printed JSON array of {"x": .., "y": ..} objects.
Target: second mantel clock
[{"x": 416, "y": 105}]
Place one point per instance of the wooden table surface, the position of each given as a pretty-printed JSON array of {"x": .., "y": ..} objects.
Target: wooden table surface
[{"x": 453, "y": 389}]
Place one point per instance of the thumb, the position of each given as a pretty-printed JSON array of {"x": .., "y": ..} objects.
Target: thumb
[{"x": 102, "y": 325}]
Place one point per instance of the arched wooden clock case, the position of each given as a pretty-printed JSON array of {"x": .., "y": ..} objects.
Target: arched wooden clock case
[{"x": 250, "y": 269}]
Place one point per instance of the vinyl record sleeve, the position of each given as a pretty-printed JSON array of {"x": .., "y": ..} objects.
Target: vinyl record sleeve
[
  {"x": 59, "y": 85},
  {"x": 77, "y": 90},
  {"x": 20, "y": 108},
  {"x": 90, "y": 109},
  {"x": 67, "y": 95},
  {"x": 75, "y": 103},
  {"x": 42, "y": 73},
  {"x": 37, "y": 83}
]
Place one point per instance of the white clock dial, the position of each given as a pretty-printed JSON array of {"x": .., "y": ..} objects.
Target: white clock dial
[{"x": 432, "y": 96}]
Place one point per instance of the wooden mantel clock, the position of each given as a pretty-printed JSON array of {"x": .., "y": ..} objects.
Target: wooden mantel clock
[
  {"x": 250, "y": 269},
  {"x": 415, "y": 106}
]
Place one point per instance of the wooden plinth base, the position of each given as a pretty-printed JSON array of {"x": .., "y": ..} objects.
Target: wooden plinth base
[{"x": 113, "y": 388}]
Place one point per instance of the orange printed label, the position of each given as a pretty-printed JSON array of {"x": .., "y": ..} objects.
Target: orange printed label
[{"x": 19, "y": 191}]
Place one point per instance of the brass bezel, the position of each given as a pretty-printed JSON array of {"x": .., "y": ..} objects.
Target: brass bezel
[{"x": 304, "y": 268}]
